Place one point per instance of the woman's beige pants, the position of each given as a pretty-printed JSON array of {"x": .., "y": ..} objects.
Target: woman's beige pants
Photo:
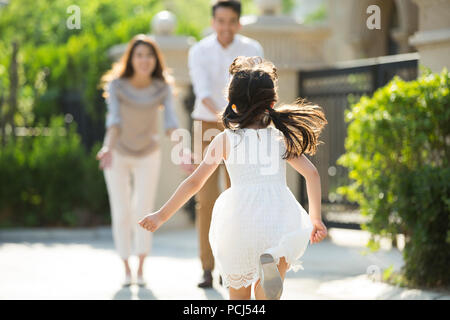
[{"x": 132, "y": 183}]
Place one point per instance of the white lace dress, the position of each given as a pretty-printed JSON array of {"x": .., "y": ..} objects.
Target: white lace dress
[{"x": 258, "y": 213}]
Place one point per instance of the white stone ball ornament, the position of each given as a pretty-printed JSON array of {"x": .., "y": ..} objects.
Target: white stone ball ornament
[
  {"x": 269, "y": 7},
  {"x": 164, "y": 23}
]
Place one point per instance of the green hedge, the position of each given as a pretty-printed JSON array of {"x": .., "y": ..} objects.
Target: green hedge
[
  {"x": 50, "y": 180},
  {"x": 397, "y": 153}
]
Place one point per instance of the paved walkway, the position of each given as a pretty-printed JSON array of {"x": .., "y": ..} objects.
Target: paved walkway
[{"x": 82, "y": 264}]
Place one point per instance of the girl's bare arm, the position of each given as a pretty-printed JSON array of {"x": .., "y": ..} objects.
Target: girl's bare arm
[
  {"x": 305, "y": 167},
  {"x": 192, "y": 184}
]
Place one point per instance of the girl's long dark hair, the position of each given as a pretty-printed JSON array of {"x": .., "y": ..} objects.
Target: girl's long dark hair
[{"x": 253, "y": 90}]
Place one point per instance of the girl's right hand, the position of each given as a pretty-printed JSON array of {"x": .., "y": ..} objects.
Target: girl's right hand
[
  {"x": 319, "y": 231},
  {"x": 152, "y": 221},
  {"x": 104, "y": 155}
]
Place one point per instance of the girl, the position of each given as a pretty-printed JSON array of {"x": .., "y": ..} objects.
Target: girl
[
  {"x": 135, "y": 88},
  {"x": 258, "y": 229}
]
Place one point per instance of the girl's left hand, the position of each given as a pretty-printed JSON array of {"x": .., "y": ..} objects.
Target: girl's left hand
[
  {"x": 319, "y": 231},
  {"x": 152, "y": 221}
]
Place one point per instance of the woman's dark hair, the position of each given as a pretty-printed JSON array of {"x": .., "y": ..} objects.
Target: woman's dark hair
[
  {"x": 124, "y": 69},
  {"x": 232, "y": 4},
  {"x": 253, "y": 91}
]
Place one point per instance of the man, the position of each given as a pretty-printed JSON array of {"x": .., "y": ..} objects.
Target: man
[{"x": 209, "y": 61}]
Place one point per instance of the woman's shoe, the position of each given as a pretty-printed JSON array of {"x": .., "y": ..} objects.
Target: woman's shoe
[
  {"x": 127, "y": 281},
  {"x": 270, "y": 278},
  {"x": 141, "y": 281}
]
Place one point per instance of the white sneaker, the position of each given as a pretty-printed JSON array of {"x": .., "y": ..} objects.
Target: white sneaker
[
  {"x": 127, "y": 281},
  {"x": 270, "y": 278},
  {"x": 141, "y": 281}
]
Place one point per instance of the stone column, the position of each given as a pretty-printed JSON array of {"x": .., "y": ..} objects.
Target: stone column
[
  {"x": 432, "y": 40},
  {"x": 175, "y": 50},
  {"x": 291, "y": 46},
  {"x": 408, "y": 22},
  {"x": 352, "y": 39}
]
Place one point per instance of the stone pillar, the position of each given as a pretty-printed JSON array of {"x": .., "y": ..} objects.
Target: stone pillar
[
  {"x": 175, "y": 50},
  {"x": 352, "y": 39},
  {"x": 408, "y": 24},
  {"x": 432, "y": 40},
  {"x": 291, "y": 46}
]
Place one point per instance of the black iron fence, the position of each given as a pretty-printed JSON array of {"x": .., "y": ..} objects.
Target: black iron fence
[
  {"x": 335, "y": 90},
  {"x": 90, "y": 128}
]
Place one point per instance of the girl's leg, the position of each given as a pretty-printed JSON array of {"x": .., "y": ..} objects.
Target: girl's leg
[
  {"x": 282, "y": 268},
  {"x": 241, "y": 293}
]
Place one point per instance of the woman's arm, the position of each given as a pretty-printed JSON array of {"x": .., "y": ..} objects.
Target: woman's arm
[
  {"x": 305, "y": 167},
  {"x": 112, "y": 123},
  {"x": 189, "y": 187},
  {"x": 111, "y": 136}
]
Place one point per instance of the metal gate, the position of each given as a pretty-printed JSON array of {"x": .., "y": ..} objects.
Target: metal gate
[{"x": 335, "y": 90}]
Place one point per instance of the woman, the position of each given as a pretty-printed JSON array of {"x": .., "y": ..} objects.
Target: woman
[{"x": 135, "y": 88}]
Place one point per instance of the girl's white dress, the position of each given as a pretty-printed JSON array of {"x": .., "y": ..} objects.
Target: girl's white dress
[{"x": 258, "y": 213}]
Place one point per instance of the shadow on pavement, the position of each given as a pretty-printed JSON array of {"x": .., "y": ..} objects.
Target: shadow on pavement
[
  {"x": 126, "y": 293},
  {"x": 213, "y": 294},
  {"x": 145, "y": 293}
]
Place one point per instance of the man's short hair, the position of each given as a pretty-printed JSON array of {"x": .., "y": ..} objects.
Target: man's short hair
[{"x": 232, "y": 4}]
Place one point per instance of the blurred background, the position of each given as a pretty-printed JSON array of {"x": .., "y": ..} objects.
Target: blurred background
[{"x": 384, "y": 162}]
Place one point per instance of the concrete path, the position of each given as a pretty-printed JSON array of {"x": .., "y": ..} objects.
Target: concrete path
[{"x": 82, "y": 264}]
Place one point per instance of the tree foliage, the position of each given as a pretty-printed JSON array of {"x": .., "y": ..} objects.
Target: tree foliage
[{"x": 397, "y": 153}]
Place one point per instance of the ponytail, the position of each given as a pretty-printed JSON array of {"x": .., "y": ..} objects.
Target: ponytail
[
  {"x": 251, "y": 93},
  {"x": 301, "y": 124}
]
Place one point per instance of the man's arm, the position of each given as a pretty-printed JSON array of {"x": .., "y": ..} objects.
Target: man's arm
[
  {"x": 200, "y": 78},
  {"x": 209, "y": 103},
  {"x": 170, "y": 117}
]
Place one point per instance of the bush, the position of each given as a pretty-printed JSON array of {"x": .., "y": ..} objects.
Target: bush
[
  {"x": 397, "y": 153},
  {"x": 50, "y": 180}
]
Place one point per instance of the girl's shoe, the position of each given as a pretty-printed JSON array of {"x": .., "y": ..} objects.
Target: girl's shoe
[
  {"x": 141, "y": 281},
  {"x": 270, "y": 278},
  {"x": 127, "y": 281}
]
